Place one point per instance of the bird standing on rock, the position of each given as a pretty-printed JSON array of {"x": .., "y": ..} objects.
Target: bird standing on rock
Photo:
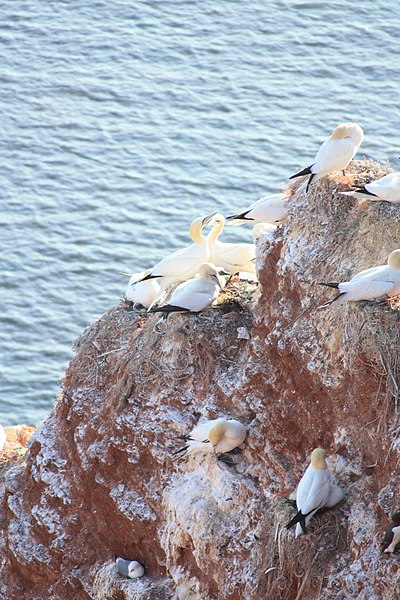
[
  {"x": 129, "y": 568},
  {"x": 196, "y": 294},
  {"x": 370, "y": 284},
  {"x": 142, "y": 293},
  {"x": 392, "y": 534},
  {"x": 335, "y": 153},
  {"x": 312, "y": 492},
  {"x": 217, "y": 435},
  {"x": 269, "y": 209},
  {"x": 234, "y": 258},
  {"x": 385, "y": 189}
]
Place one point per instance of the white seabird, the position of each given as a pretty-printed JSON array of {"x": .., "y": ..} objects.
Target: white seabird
[
  {"x": 335, "y": 153},
  {"x": 3, "y": 438},
  {"x": 269, "y": 209},
  {"x": 129, "y": 568},
  {"x": 385, "y": 189},
  {"x": 196, "y": 294},
  {"x": 312, "y": 492},
  {"x": 234, "y": 258},
  {"x": 217, "y": 435},
  {"x": 183, "y": 264},
  {"x": 392, "y": 534},
  {"x": 142, "y": 293},
  {"x": 370, "y": 284}
]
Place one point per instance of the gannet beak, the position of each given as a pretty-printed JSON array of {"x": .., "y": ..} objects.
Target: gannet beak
[{"x": 209, "y": 218}]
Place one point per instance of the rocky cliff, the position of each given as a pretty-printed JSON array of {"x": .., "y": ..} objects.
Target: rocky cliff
[{"x": 100, "y": 479}]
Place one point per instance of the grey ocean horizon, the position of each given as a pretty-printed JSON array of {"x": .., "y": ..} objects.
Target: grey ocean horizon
[{"x": 120, "y": 124}]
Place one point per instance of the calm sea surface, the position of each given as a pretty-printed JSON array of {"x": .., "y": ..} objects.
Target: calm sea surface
[{"x": 122, "y": 121}]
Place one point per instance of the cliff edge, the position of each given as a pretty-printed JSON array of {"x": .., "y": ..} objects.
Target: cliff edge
[{"x": 99, "y": 479}]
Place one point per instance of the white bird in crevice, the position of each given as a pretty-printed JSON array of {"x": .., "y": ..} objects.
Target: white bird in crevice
[
  {"x": 269, "y": 209},
  {"x": 142, "y": 293},
  {"x": 370, "y": 284},
  {"x": 335, "y": 153},
  {"x": 217, "y": 436},
  {"x": 385, "y": 189},
  {"x": 196, "y": 294},
  {"x": 3, "y": 438},
  {"x": 129, "y": 568},
  {"x": 185, "y": 263},
  {"x": 312, "y": 492},
  {"x": 231, "y": 257},
  {"x": 392, "y": 535}
]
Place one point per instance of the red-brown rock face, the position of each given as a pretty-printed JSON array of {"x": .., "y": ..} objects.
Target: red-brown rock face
[{"x": 100, "y": 481}]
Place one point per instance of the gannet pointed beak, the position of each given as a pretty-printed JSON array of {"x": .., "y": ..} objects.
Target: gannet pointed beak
[{"x": 209, "y": 217}]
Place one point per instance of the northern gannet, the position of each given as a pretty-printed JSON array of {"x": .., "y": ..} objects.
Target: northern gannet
[
  {"x": 386, "y": 189},
  {"x": 231, "y": 257},
  {"x": 269, "y": 209},
  {"x": 196, "y": 294},
  {"x": 183, "y": 264},
  {"x": 335, "y": 153},
  {"x": 218, "y": 436},
  {"x": 312, "y": 492},
  {"x": 392, "y": 534},
  {"x": 142, "y": 293},
  {"x": 370, "y": 284}
]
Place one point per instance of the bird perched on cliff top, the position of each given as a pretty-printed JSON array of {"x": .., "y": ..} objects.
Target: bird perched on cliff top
[
  {"x": 129, "y": 568},
  {"x": 231, "y": 257},
  {"x": 3, "y": 438},
  {"x": 313, "y": 491},
  {"x": 269, "y": 209},
  {"x": 196, "y": 294},
  {"x": 370, "y": 284},
  {"x": 392, "y": 534},
  {"x": 217, "y": 435},
  {"x": 386, "y": 189},
  {"x": 183, "y": 264},
  {"x": 142, "y": 293},
  {"x": 335, "y": 153}
]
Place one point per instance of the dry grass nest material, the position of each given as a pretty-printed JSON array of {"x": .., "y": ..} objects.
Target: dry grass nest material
[{"x": 296, "y": 568}]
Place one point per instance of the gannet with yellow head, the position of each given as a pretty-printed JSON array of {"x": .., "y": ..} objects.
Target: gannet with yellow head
[
  {"x": 312, "y": 492},
  {"x": 234, "y": 258},
  {"x": 335, "y": 153},
  {"x": 217, "y": 436}
]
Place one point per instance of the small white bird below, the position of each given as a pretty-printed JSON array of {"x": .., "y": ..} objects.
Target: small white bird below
[
  {"x": 196, "y": 294},
  {"x": 370, "y": 284},
  {"x": 217, "y": 436},
  {"x": 3, "y": 438},
  {"x": 234, "y": 258},
  {"x": 129, "y": 568},
  {"x": 269, "y": 209},
  {"x": 142, "y": 293},
  {"x": 335, "y": 153},
  {"x": 392, "y": 535},
  {"x": 313, "y": 491},
  {"x": 385, "y": 189}
]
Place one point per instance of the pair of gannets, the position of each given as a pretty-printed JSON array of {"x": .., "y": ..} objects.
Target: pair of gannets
[
  {"x": 392, "y": 534},
  {"x": 386, "y": 189},
  {"x": 335, "y": 153},
  {"x": 269, "y": 209},
  {"x": 129, "y": 568},
  {"x": 314, "y": 491},
  {"x": 196, "y": 294},
  {"x": 370, "y": 284},
  {"x": 217, "y": 436}
]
